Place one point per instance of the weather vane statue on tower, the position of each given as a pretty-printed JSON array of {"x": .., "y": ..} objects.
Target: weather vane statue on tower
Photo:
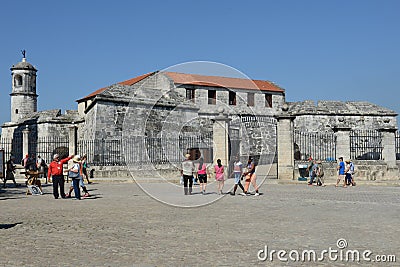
[{"x": 23, "y": 53}]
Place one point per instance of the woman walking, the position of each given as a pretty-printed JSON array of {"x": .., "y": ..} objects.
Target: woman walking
[
  {"x": 250, "y": 178},
  {"x": 84, "y": 169},
  {"x": 202, "y": 176},
  {"x": 219, "y": 176},
  {"x": 81, "y": 183},
  {"x": 237, "y": 171},
  {"x": 76, "y": 176}
]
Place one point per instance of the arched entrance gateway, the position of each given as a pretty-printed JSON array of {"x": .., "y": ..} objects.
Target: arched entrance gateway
[{"x": 256, "y": 137}]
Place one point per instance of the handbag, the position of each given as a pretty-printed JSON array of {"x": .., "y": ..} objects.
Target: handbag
[{"x": 72, "y": 174}]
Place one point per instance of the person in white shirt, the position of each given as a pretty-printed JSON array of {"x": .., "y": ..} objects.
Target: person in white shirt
[
  {"x": 187, "y": 173},
  {"x": 237, "y": 172}
]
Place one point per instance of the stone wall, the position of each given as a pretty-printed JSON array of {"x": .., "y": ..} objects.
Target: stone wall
[
  {"x": 366, "y": 170},
  {"x": 241, "y": 107},
  {"x": 327, "y": 115},
  {"x": 326, "y": 123}
]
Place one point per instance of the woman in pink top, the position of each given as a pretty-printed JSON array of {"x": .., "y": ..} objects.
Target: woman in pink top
[
  {"x": 202, "y": 175},
  {"x": 219, "y": 175}
]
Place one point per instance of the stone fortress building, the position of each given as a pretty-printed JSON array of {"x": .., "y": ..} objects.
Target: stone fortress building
[{"x": 159, "y": 116}]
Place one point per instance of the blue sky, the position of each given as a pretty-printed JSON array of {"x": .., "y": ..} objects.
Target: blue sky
[{"x": 319, "y": 50}]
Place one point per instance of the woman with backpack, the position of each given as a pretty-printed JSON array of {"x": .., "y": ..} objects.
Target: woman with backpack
[
  {"x": 349, "y": 171},
  {"x": 320, "y": 174}
]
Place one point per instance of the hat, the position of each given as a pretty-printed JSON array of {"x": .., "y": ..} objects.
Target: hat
[
  {"x": 77, "y": 159},
  {"x": 347, "y": 161},
  {"x": 56, "y": 156}
]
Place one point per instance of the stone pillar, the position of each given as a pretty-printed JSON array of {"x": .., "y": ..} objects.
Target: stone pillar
[
  {"x": 389, "y": 147},
  {"x": 285, "y": 148},
  {"x": 342, "y": 142},
  {"x": 25, "y": 141},
  {"x": 72, "y": 134},
  {"x": 221, "y": 137}
]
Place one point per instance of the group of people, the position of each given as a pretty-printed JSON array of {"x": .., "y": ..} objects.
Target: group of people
[
  {"x": 201, "y": 172},
  {"x": 30, "y": 163},
  {"x": 77, "y": 173},
  {"x": 316, "y": 172},
  {"x": 345, "y": 171},
  {"x": 55, "y": 173}
]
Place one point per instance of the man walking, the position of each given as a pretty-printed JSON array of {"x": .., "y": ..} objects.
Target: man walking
[
  {"x": 312, "y": 168},
  {"x": 10, "y": 170},
  {"x": 340, "y": 169},
  {"x": 187, "y": 173},
  {"x": 56, "y": 171}
]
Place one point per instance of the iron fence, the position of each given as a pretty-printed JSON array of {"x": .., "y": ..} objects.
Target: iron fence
[
  {"x": 397, "y": 138},
  {"x": 366, "y": 145},
  {"x": 46, "y": 147},
  {"x": 12, "y": 147},
  {"x": 320, "y": 146},
  {"x": 143, "y": 150}
]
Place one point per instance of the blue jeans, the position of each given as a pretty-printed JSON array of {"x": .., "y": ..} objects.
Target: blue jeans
[
  {"x": 238, "y": 175},
  {"x": 312, "y": 176},
  {"x": 77, "y": 191}
]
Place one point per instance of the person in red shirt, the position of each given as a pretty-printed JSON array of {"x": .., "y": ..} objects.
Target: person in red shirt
[{"x": 56, "y": 171}]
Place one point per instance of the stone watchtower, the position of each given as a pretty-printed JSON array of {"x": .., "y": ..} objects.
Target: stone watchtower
[{"x": 23, "y": 96}]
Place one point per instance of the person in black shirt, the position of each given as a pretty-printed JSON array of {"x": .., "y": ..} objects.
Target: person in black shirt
[{"x": 10, "y": 170}]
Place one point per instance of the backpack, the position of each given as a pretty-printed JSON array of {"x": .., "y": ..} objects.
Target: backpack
[
  {"x": 352, "y": 169},
  {"x": 320, "y": 170}
]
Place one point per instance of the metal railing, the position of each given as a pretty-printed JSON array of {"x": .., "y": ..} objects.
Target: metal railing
[
  {"x": 397, "y": 146},
  {"x": 366, "y": 145},
  {"x": 12, "y": 147},
  {"x": 320, "y": 146},
  {"x": 141, "y": 149},
  {"x": 46, "y": 147}
]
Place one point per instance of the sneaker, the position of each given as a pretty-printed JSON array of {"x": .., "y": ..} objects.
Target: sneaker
[
  {"x": 243, "y": 194},
  {"x": 232, "y": 194},
  {"x": 257, "y": 194},
  {"x": 67, "y": 195},
  {"x": 86, "y": 195}
]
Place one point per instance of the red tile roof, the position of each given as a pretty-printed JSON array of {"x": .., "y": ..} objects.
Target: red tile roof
[
  {"x": 203, "y": 80},
  {"x": 226, "y": 82},
  {"x": 127, "y": 82}
]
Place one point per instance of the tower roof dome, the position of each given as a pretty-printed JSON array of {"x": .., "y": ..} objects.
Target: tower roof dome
[{"x": 23, "y": 65}]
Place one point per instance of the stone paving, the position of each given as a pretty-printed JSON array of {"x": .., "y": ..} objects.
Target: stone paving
[{"x": 120, "y": 225}]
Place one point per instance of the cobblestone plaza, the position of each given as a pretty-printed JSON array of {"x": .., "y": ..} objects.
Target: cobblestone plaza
[{"x": 120, "y": 225}]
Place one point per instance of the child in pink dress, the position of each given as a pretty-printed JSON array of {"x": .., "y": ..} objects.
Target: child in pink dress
[{"x": 219, "y": 175}]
